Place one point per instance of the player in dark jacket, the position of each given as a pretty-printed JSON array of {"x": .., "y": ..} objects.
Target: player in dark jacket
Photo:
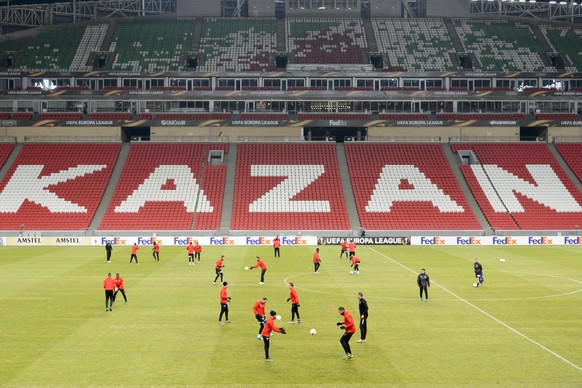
[
  {"x": 478, "y": 269},
  {"x": 363, "y": 306},
  {"x": 423, "y": 282}
]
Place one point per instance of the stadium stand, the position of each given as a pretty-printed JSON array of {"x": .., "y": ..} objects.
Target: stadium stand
[
  {"x": 51, "y": 50},
  {"x": 415, "y": 44},
  {"x": 571, "y": 153},
  {"x": 151, "y": 46},
  {"x": 238, "y": 44},
  {"x": 501, "y": 46},
  {"x": 55, "y": 186},
  {"x": 264, "y": 199},
  {"x": 567, "y": 41},
  {"x": 326, "y": 41},
  {"x": 156, "y": 189},
  {"x": 5, "y": 150},
  {"x": 522, "y": 186},
  {"x": 407, "y": 187},
  {"x": 90, "y": 42}
]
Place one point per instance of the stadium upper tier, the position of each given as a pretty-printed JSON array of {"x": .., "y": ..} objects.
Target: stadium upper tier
[
  {"x": 231, "y": 44},
  {"x": 289, "y": 186}
]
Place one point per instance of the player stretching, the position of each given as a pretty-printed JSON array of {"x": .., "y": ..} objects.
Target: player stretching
[
  {"x": 218, "y": 269},
  {"x": 349, "y": 329},
  {"x": 259, "y": 311}
]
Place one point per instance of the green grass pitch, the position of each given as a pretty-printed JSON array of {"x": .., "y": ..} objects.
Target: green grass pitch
[{"x": 522, "y": 329}]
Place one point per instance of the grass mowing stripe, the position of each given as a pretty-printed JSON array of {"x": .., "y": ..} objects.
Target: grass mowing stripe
[{"x": 487, "y": 314}]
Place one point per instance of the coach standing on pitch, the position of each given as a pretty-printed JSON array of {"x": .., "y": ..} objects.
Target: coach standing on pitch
[
  {"x": 349, "y": 329},
  {"x": 478, "y": 268},
  {"x": 423, "y": 282},
  {"x": 363, "y": 307},
  {"x": 108, "y": 249}
]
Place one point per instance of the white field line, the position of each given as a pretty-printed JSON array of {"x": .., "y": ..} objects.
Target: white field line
[{"x": 487, "y": 314}]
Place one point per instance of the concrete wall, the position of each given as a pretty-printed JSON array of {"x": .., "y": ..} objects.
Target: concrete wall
[
  {"x": 261, "y": 8},
  {"x": 385, "y": 8},
  {"x": 198, "y": 8},
  {"x": 447, "y": 8}
]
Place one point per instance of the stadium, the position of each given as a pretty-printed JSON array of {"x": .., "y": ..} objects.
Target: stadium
[{"x": 429, "y": 132}]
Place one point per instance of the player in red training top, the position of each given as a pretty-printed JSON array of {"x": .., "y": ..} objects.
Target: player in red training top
[
  {"x": 355, "y": 265},
  {"x": 266, "y": 333},
  {"x": 218, "y": 269},
  {"x": 344, "y": 249},
  {"x": 190, "y": 249},
  {"x": 352, "y": 248},
  {"x": 119, "y": 286},
  {"x": 349, "y": 329},
  {"x": 316, "y": 261},
  {"x": 294, "y": 303},
  {"x": 109, "y": 286},
  {"x": 261, "y": 264},
  {"x": 224, "y": 299},
  {"x": 134, "y": 250},
  {"x": 156, "y": 251},
  {"x": 259, "y": 311},
  {"x": 277, "y": 246},
  {"x": 197, "y": 251}
]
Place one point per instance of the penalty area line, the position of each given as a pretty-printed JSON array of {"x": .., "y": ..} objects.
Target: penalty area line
[{"x": 515, "y": 331}]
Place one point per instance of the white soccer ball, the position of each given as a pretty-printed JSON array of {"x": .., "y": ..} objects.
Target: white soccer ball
[
  {"x": 352, "y": 272},
  {"x": 246, "y": 268},
  {"x": 313, "y": 332},
  {"x": 502, "y": 260},
  {"x": 474, "y": 284},
  {"x": 278, "y": 317}
]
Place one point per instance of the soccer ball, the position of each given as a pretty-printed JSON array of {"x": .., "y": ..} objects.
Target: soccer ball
[
  {"x": 313, "y": 332},
  {"x": 278, "y": 317},
  {"x": 246, "y": 268},
  {"x": 474, "y": 284},
  {"x": 352, "y": 272},
  {"x": 502, "y": 260}
]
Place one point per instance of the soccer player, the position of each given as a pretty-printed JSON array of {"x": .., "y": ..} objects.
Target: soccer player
[
  {"x": 109, "y": 286},
  {"x": 156, "y": 251},
  {"x": 344, "y": 249},
  {"x": 478, "y": 268},
  {"x": 423, "y": 281},
  {"x": 134, "y": 250},
  {"x": 259, "y": 311},
  {"x": 108, "y": 249},
  {"x": 224, "y": 299},
  {"x": 261, "y": 264},
  {"x": 276, "y": 246},
  {"x": 266, "y": 333},
  {"x": 349, "y": 329},
  {"x": 119, "y": 286},
  {"x": 352, "y": 248},
  {"x": 316, "y": 261},
  {"x": 218, "y": 269},
  {"x": 355, "y": 265},
  {"x": 190, "y": 249},
  {"x": 363, "y": 306},
  {"x": 197, "y": 251},
  {"x": 294, "y": 303}
]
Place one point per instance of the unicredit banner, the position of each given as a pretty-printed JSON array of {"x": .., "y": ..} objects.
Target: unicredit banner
[{"x": 364, "y": 240}]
